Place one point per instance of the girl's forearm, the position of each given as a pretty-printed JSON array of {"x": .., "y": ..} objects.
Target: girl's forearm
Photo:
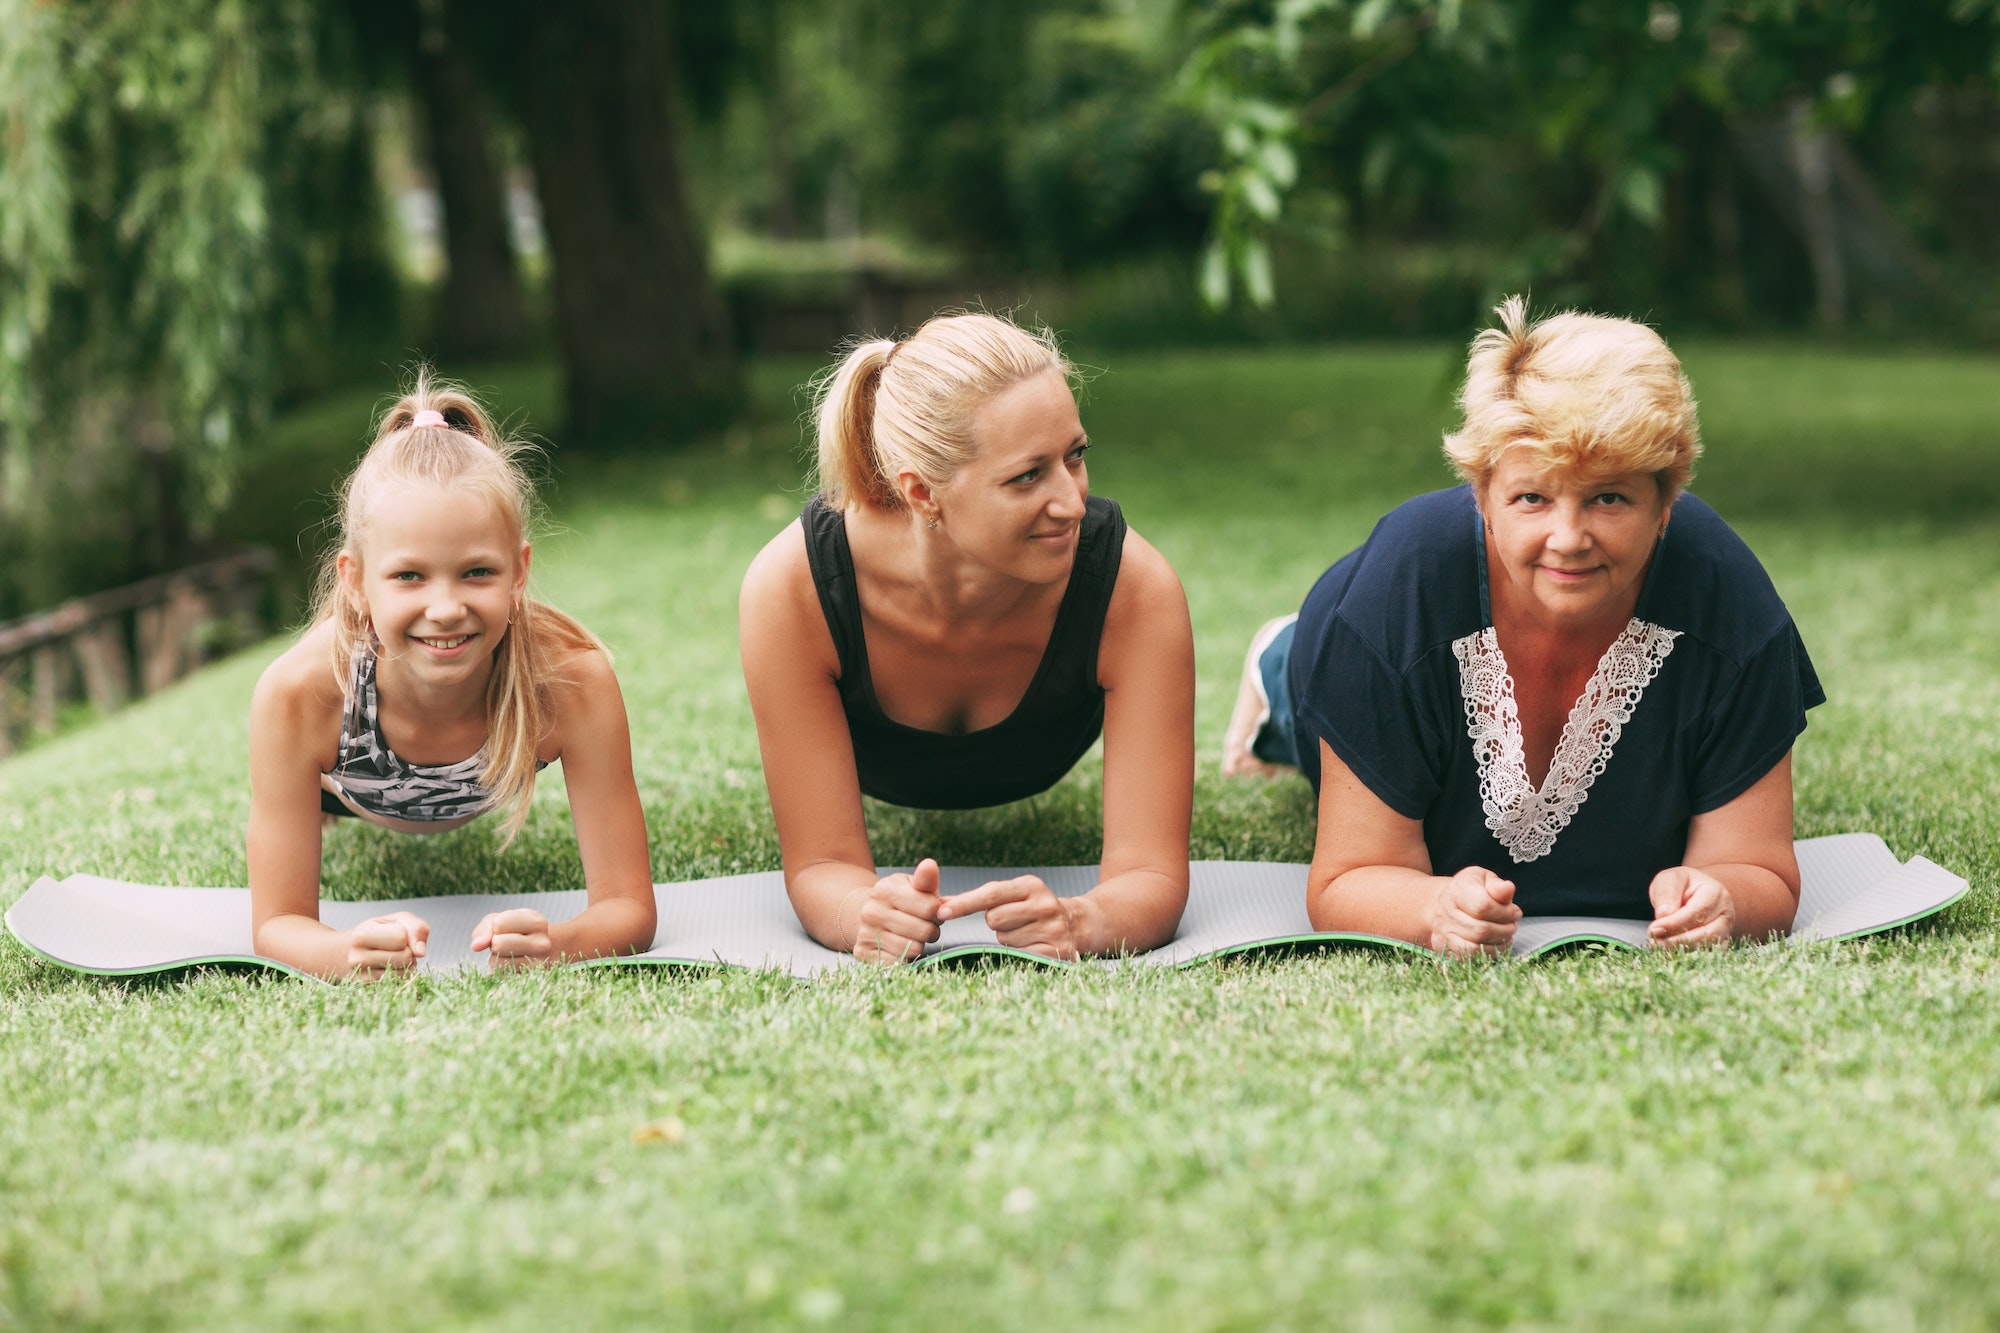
[
  {"x": 605, "y": 929},
  {"x": 305, "y": 943}
]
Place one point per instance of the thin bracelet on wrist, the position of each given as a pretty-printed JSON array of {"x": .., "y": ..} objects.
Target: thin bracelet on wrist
[{"x": 840, "y": 920}]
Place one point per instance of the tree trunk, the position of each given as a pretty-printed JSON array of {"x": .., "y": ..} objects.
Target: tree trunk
[
  {"x": 645, "y": 348},
  {"x": 1812, "y": 161},
  {"x": 484, "y": 314}
]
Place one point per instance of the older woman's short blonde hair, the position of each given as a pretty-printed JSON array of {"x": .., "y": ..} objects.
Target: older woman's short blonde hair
[{"x": 1578, "y": 393}]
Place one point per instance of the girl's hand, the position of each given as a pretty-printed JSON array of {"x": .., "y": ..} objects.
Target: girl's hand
[
  {"x": 897, "y": 917},
  {"x": 1473, "y": 913},
  {"x": 1690, "y": 908},
  {"x": 391, "y": 943},
  {"x": 1024, "y": 912},
  {"x": 518, "y": 937}
]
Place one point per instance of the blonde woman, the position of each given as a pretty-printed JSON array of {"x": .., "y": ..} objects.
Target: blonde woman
[
  {"x": 1565, "y": 687},
  {"x": 951, "y": 624},
  {"x": 431, "y": 689}
]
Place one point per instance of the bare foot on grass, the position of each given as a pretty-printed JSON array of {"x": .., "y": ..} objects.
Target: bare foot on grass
[{"x": 1249, "y": 713}]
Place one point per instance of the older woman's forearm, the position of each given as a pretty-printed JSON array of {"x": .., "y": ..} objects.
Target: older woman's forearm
[
  {"x": 1765, "y": 904},
  {"x": 1395, "y": 901}
]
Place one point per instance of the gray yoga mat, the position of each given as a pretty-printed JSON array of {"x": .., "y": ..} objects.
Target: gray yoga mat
[{"x": 1852, "y": 885}]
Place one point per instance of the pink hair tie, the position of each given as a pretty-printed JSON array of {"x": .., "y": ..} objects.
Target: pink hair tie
[{"x": 427, "y": 417}]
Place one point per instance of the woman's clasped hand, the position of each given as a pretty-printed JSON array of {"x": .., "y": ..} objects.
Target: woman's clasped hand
[{"x": 893, "y": 921}]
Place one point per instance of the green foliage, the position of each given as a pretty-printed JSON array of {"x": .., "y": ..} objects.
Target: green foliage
[
  {"x": 1041, "y": 135},
  {"x": 1590, "y": 139},
  {"x": 1786, "y": 1138},
  {"x": 178, "y": 178}
]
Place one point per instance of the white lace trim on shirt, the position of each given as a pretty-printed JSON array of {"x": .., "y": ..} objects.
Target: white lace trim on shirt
[{"x": 1526, "y": 821}]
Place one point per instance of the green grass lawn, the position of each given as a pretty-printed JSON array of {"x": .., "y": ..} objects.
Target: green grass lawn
[{"x": 1770, "y": 1137}]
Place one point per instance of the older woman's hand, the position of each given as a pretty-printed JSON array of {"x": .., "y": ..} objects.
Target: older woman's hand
[
  {"x": 1690, "y": 908},
  {"x": 1473, "y": 913}
]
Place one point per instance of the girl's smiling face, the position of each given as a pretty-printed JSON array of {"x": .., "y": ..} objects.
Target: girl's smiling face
[
  {"x": 1018, "y": 507},
  {"x": 1571, "y": 547},
  {"x": 438, "y": 572}
]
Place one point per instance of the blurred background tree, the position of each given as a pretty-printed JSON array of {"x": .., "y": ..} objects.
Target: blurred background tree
[{"x": 211, "y": 211}]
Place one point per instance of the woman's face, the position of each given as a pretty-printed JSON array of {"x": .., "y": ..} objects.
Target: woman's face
[
  {"x": 1572, "y": 547},
  {"x": 1018, "y": 506}
]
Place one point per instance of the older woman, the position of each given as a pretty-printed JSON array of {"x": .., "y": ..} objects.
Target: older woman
[
  {"x": 1564, "y": 688},
  {"x": 952, "y": 623}
]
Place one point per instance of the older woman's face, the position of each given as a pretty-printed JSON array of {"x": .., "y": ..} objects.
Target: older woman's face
[{"x": 1572, "y": 547}]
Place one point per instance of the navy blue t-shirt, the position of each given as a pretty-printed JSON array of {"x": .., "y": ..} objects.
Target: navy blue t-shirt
[{"x": 1394, "y": 664}]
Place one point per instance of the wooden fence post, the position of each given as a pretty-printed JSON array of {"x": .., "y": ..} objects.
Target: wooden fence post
[
  {"x": 9, "y": 669},
  {"x": 107, "y": 678},
  {"x": 49, "y": 663},
  {"x": 162, "y": 617}
]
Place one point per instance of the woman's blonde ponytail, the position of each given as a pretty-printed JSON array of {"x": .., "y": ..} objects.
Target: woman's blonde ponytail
[{"x": 850, "y": 470}]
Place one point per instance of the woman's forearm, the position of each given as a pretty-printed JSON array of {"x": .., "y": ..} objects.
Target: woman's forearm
[
  {"x": 1395, "y": 901},
  {"x": 828, "y": 895},
  {"x": 1128, "y": 913},
  {"x": 1764, "y": 904}
]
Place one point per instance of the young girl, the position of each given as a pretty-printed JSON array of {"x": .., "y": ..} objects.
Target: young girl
[{"x": 431, "y": 689}]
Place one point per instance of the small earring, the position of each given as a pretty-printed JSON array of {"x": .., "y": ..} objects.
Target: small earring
[{"x": 933, "y": 523}]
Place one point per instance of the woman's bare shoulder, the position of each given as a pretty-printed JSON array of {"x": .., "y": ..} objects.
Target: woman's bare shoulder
[
  {"x": 778, "y": 590},
  {"x": 781, "y": 566},
  {"x": 1146, "y": 582}
]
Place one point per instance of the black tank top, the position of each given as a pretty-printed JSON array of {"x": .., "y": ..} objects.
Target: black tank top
[{"x": 1027, "y": 751}]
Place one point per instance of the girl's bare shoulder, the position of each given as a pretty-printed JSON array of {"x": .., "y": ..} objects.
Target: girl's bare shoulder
[{"x": 300, "y": 683}]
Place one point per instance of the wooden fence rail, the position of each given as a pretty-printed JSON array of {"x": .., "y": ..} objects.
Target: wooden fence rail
[{"x": 121, "y": 643}]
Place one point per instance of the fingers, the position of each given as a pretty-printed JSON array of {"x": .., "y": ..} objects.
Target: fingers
[
  {"x": 1705, "y": 915},
  {"x": 1478, "y": 893},
  {"x": 887, "y": 947},
  {"x": 907, "y": 893},
  {"x": 989, "y": 896},
  {"x": 1474, "y": 913},
  {"x": 1668, "y": 890},
  {"x": 1709, "y": 935},
  {"x": 418, "y": 928},
  {"x": 1469, "y": 936},
  {"x": 386, "y": 943},
  {"x": 897, "y": 919},
  {"x": 517, "y": 937}
]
